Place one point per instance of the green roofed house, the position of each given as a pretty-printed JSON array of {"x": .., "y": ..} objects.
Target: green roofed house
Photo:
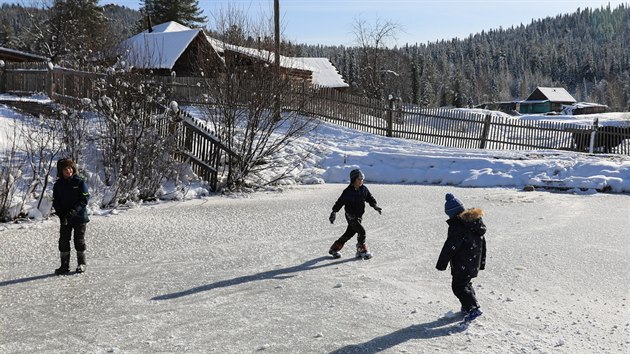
[{"x": 545, "y": 100}]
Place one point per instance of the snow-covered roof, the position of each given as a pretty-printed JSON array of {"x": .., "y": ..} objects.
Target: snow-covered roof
[
  {"x": 269, "y": 57},
  {"x": 160, "y": 48},
  {"x": 324, "y": 72},
  {"x": 587, "y": 104},
  {"x": 553, "y": 94},
  {"x": 170, "y": 26}
]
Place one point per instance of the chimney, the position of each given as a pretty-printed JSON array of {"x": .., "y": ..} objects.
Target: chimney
[{"x": 150, "y": 29}]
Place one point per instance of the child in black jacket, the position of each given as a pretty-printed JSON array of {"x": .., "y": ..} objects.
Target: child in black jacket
[
  {"x": 353, "y": 199},
  {"x": 465, "y": 249},
  {"x": 70, "y": 198}
]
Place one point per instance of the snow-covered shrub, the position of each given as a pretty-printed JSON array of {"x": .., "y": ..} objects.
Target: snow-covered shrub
[{"x": 132, "y": 134}]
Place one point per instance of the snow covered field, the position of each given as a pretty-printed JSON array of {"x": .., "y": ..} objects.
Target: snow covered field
[{"x": 251, "y": 275}]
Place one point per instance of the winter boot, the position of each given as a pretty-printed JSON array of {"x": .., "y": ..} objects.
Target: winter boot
[
  {"x": 65, "y": 264},
  {"x": 362, "y": 251},
  {"x": 81, "y": 265},
  {"x": 335, "y": 248}
]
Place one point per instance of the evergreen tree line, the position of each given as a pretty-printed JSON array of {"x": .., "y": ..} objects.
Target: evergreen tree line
[
  {"x": 583, "y": 52},
  {"x": 72, "y": 33}
]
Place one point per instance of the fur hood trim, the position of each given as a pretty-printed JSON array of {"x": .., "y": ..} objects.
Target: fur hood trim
[{"x": 471, "y": 214}]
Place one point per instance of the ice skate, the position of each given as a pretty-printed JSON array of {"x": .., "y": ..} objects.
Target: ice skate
[
  {"x": 334, "y": 254},
  {"x": 362, "y": 251},
  {"x": 335, "y": 248}
]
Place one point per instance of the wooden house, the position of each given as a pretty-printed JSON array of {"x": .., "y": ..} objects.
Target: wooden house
[
  {"x": 317, "y": 73},
  {"x": 546, "y": 100},
  {"x": 167, "y": 49},
  {"x": 171, "y": 48}
]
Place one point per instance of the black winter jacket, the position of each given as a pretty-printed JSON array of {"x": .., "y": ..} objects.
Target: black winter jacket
[
  {"x": 354, "y": 200},
  {"x": 70, "y": 198},
  {"x": 465, "y": 246}
]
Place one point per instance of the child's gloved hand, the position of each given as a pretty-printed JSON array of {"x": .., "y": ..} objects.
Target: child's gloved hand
[
  {"x": 71, "y": 214},
  {"x": 378, "y": 208},
  {"x": 332, "y": 217}
]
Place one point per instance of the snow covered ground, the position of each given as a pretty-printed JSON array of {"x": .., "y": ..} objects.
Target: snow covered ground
[{"x": 251, "y": 275}]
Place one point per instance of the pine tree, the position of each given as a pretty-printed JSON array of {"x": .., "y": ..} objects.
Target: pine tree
[
  {"x": 185, "y": 12},
  {"x": 74, "y": 31}
]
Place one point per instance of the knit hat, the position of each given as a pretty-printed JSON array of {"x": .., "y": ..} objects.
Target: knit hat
[
  {"x": 62, "y": 164},
  {"x": 354, "y": 174},
  {"x": 453, "y": 206}
]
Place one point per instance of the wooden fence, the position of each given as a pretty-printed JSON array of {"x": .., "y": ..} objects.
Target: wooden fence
[
  {"x": 440, "y": 126},
  {"x": 196, "y": 145}
]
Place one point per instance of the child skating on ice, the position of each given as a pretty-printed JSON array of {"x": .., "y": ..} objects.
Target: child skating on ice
[
  {"x": 465, "y": 249},
  {"x": 353, "y": 199}
]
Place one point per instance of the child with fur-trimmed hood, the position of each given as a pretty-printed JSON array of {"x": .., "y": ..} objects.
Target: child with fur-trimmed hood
[{"x": 465, "y": 249}]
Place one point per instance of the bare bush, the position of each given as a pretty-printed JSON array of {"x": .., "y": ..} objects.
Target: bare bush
[
  {"x": 243, "y": 105},
  {"x": 136, "y": 151},
  {"x": 11, "y": 172},
  {"x": 42, "y": 144}
]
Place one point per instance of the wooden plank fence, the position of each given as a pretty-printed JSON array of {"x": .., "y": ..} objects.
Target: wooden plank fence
[
  {"x": 440, "y": 126},
  {"x": 196, "y": 144}
]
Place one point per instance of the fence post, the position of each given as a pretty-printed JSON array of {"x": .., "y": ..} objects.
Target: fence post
[
  {"x": 50, "y": 81},
  {"x": 591, "y": 144},
  {"x": 3, "y": 86},
  {"x": 390, "y": 116},
  {"x": 485, "y": 132}
]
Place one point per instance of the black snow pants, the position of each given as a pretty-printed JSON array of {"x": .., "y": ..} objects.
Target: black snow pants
[
  {"x": 463, "y": 290},
  {"x": 354, "y": 227},
  {"x": 65, "y": 234}
]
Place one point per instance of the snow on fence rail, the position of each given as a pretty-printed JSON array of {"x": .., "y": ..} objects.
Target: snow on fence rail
[{"x": 440, "y": 126}]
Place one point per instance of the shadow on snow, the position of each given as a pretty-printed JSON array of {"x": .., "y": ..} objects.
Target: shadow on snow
[
  {"x": 24, "y": 280},
  {"x": 277, "y": 274},
  {"x": 419, "y": 331}
]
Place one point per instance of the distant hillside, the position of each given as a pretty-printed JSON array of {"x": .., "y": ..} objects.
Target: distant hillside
[{"x": 585, "y": 52}]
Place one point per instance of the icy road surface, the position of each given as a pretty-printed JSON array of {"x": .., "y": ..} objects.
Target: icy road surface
[{"x": 251, "y": 275}]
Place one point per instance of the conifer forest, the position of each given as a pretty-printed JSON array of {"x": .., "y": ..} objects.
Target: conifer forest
[{"x": 585, "y": 52}]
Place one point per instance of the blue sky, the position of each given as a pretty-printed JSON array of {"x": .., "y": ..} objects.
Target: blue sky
[{"x": 330, "y": 21}]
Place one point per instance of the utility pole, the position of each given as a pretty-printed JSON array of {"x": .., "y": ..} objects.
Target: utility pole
[{"x": 276, "y": 22}]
